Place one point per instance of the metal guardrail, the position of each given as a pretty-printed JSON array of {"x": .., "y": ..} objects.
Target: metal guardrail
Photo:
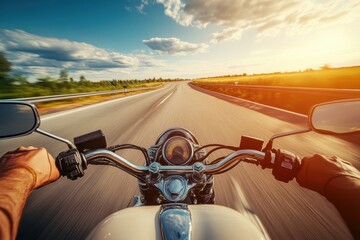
[
  {"x": 77, "y": 95},
  {"x": 281, "y": 89},
  {"x": 295, "y": 99}
]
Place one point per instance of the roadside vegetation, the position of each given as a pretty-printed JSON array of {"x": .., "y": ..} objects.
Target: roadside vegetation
[
  {"x": 17, "y": 86},
  {"x": 296, "y": 101},
  {"x": 326, "y": 77}
]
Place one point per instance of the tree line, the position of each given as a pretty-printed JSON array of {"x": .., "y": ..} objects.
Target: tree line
[{"x": 17, "y": 86}]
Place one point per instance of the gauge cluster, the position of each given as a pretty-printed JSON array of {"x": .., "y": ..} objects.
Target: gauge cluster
[
  {"x": 174, "y": 151},
  {"x": 177, "y": 151},
  {"x": 176, "y": 146}
]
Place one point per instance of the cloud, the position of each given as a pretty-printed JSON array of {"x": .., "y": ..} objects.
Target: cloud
[
  {"x": 63, "y": 50},
  {"x": 140, "y": 7},
  {"x": 226, "y": 34},
  {"x": 176, "y": 10},
  {"x": 32, "y": 54},
  {"x": 174, "y": 46},
  {"x": 263, "y": 15}
]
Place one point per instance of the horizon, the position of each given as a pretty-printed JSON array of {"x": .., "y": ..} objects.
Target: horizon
[{"x": 177, "y": 39}]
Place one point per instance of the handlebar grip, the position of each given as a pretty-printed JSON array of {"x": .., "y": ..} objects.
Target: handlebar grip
[
  {"x": 286, "y": 165},
  {"x": 71, "y": 164}
]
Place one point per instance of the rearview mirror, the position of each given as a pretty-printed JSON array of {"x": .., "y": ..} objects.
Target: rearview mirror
[
  {"x": 341, "y": 117},
  {"x": 17, "y": 119}
]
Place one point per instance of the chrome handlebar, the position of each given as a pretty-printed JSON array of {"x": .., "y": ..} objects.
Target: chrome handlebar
[{"x": 110, "y": 158}]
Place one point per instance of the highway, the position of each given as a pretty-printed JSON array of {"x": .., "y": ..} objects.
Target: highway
[{"x": 70, "y": 209}]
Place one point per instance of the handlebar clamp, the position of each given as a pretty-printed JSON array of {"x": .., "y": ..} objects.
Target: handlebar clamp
[{"x": 71, "y": 163}]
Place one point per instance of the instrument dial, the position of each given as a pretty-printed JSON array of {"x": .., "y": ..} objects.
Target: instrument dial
[{"x": 178, "y": 151}]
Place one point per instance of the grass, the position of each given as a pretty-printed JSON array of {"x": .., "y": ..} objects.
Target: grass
[
  {"x": 25, "y": 90},
  {"x": 344, "y": 78},
  {"x": 54, "y": 106},
  {"x": 339, "y": 78}
]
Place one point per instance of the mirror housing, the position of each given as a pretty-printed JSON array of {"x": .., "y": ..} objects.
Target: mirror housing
[
  {"x": 340, "y": 117},
  {"x": 17, "y": 119}
]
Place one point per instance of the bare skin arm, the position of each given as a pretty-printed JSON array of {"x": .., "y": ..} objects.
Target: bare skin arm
[
  {"x": 21, "y": 171},
  {"x": 339, "y": 182}
]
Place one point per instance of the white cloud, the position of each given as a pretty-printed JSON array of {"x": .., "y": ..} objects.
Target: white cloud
[
  {"x": 63, "y": 50},
  {"x": 140, "y": 7},
  {"x": 226, "y": 34},
  {"x": 32, "y": 55},
  {"x": 174, "y": 46},
  {"x": 263, "y": 15},
  {"x": 175, "y": 10}
]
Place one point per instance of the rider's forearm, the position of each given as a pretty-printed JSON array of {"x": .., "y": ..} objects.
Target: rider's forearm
[
  {"x": 15, "y": 187},
  {"x": 344, "y": 193}
]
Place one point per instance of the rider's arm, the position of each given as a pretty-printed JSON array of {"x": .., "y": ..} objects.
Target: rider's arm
[
  {"x": 15, "y": 185},
  {"x": 339, "y": 182},
  {"x": 21, "y": 171}
]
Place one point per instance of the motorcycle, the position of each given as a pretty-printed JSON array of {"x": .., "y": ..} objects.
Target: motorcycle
[{"x": 176, "y": 182}]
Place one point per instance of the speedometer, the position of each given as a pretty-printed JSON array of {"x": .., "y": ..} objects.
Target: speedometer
[{"x": 177, "y": 151}]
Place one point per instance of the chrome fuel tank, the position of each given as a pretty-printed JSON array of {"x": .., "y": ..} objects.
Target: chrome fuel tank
[{"x": 182, "y": 221}]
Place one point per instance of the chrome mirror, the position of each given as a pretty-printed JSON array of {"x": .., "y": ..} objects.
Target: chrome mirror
[
  {"x": 17, "y": 119},
  {"x": 341, "y": 117}
]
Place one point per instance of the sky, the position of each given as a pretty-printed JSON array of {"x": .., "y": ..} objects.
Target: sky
[{"x": 139, "y": 39}]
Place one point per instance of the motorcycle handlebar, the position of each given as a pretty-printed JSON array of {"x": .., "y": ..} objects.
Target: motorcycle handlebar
[{"x": 102, "y": 156}]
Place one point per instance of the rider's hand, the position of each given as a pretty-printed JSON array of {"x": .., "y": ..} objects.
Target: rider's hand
[
  {"x": 338, "y": 181},
  {"x": 320, "y": 173},
  {"x": 36, "y": 161}
]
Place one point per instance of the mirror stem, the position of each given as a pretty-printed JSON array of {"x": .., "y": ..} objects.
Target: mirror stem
[
  {"x": 269, "y": 144},
  {"x": 70, "y": 144}
]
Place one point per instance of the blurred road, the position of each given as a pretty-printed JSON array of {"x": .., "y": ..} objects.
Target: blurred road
[{"x": 70, "y": 209}]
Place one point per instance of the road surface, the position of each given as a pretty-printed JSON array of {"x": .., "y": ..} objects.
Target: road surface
[{"x": 70, "y": 209}]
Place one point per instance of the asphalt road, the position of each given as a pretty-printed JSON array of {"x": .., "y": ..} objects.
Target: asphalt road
[{"x": 70, "y": 209}]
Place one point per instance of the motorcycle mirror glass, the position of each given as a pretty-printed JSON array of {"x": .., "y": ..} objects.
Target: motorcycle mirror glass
[
  {"x": 17, "y": 119},
  {"x": 341, "y": 117}
]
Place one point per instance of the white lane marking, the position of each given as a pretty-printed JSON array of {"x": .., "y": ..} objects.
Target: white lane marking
[
  {"x": 55, "y": 115},
  {"x": 164, "y": 99}
]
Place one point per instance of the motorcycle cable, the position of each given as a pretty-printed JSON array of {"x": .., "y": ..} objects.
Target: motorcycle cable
[
  {"x": 212, "y": 145},
  {"x": 217, "y": 148},
  {"x": 133, "y": 147}
]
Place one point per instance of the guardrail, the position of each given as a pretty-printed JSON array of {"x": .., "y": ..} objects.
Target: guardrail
[
  {"x": 302, "y": 90},
  {"x": 51, "y": 98},
  {"x": 297, "y": 99}
]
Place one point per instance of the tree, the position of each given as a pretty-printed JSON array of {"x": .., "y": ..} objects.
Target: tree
[
  {"x": 82, "y": 78},
  {"x": 5, "y": 65},
  {"x": 47, "y": 82},
  {"x": 5, "y": 68},
  {"x": 326, "y": 67},
  {"x": 20, "y": 80},
  {"x": 64, "y": 75}
]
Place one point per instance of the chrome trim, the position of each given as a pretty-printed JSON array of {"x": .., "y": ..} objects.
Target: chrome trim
[
  {"x": 231, "y": 158},
  {"x": 167, "y": 132},
  {"x": 191, "y": 149},
  {"x": 70, "y": 144},
  {"x": 175, "y": 222},
  {"x": 175, "y": 188},
  {"x": 327, "y": 103},
  {"x": 305, "y": 130},
  {"x": 139, "y": 171},
  {"x": 120, "y": 162}
]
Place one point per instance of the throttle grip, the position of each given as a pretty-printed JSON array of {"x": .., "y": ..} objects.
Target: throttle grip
[{"x": 286, "y": 165}]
